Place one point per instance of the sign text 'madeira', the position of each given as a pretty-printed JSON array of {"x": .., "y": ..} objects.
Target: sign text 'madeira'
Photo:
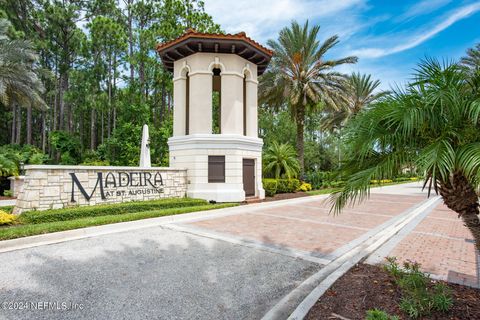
[{"x": 117, "y": 180}]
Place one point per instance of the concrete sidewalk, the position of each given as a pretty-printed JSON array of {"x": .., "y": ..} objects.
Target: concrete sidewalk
[{"x": 4, "y": 203}]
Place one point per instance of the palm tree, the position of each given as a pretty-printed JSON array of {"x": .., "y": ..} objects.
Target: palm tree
[
  {"x": 435, "y": 124},
  {"x": 301, "y": 78},
  {"x": 281, "y": 159},
  {"x": 472, "y": 60},
  {"x": 19, "y": 84},
  {"x": 471, "y": 63},
  {"x": 361, "y": 94}
]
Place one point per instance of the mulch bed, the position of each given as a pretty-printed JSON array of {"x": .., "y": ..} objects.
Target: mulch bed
[
  {"x": 284, "y": 196},
  {"x": 367, "y": 287},
  {"x": 7, "y": 198}
]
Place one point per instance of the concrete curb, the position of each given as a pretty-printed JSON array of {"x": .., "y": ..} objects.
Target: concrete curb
[
  {"x": 76, "y": 234},
  {"x": 313, "y": 288}
]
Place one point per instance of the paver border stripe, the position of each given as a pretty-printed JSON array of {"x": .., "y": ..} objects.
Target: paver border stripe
[
  {"x": 340, "y": 225},
  {"x": 283, "y": 250}
]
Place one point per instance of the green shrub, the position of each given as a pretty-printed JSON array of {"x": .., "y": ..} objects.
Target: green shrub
[
  {"x": 68, "y": 145},
  {"x": 12, "y": 155},
  {"x": 419, "y": 295},
  {"x": 336, "y": 184},
  {"x": 8, "y": 193},
  {"x": 7, "y": 209},
  {"x": 35, "y": 217},
  {"x": 6, "y": 218},
  {"x": 270, "y": 186},
  {"x": 305, "y": 187},
  {"x": 376, "y": 314},
  {"x": 382, "y": 181},
  {"x": 287, "y": 185},
  {"x": 318, "y": 179}
]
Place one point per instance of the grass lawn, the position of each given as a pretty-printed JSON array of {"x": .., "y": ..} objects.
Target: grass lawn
[
  {"x": 322, "y": 191},
  {"x": 40, "y": 222}
]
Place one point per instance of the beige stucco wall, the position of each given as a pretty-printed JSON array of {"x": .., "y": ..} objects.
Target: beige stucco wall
[
  {"x": 50, "y": 187},
  {"x": 233, "y": 70}
]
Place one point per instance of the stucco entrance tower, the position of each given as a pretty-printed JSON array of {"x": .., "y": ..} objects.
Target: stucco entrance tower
[{"x": 215, "y": 130}]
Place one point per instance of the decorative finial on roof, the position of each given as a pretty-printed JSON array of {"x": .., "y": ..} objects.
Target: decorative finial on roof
[{"x": 190, "y": 30}]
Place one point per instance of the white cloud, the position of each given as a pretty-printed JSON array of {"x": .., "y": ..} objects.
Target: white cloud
[
  {"x": 262, "y": 19},
  {"x": 423, "y": 7},
  {"x": 411, "y": 41}
]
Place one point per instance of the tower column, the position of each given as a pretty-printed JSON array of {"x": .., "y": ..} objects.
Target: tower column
[
  {"x": 179, "y": 106},
  {"x": 251, "y": 94},
  {"x": 200, "y": 103},
  {"x": 232, "y": 104}
]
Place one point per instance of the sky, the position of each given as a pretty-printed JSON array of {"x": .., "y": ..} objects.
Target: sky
[{"x": 388, "y": 37}]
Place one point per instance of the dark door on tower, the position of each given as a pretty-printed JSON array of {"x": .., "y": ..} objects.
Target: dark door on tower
[{"x": 249, "y": 177}]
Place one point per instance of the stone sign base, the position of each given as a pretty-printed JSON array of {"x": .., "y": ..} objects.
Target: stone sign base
[{"x": 56, "y": 186}]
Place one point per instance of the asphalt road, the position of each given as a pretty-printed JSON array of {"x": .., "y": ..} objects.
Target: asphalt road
[{"x": 152, "y": 273}]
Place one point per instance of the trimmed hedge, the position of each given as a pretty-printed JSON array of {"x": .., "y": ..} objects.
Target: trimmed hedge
[
  {"x": 34, "y": 217},
  {"x": 288, "y": 185},
  {"x": 270, "y": 186},
  {"x": 274, "y": 186}
]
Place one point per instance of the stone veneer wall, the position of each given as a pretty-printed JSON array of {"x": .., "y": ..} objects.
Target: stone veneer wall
[{"x": 50, "y": 186}]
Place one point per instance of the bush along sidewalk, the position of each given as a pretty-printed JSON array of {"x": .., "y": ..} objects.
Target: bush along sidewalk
[
  {"x": 420, "y": 295},
  {"x": 318, "y": 184},
  {"x": 39, "y": 222},
  {"x": 108, "y": 209}
]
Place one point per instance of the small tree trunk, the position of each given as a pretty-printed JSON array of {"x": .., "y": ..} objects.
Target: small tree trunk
[
  {"x": 102, "y": 126},
  {"x": 162, "y": 104},
  {"x": 44, "y": 131},
  {"x": 29, "y": 125},
  {"x": 130, "y": 39},
  {"x": 109, "y": 114},
  {"x": 61, "y": 109},
  {"x": 93, "y": 130},
  {"x": 460, "y": 196},
  {"x": 14, "y": 123},
  {"x": 114, "y": 92},
  {"x": 300, "y": 121}
]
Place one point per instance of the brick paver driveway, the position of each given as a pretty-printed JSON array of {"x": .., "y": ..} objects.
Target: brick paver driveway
[
  {"x": 443, "y": 246},
  {"x": 438, "y": 240},
  {"x": 308, "y": 226}
]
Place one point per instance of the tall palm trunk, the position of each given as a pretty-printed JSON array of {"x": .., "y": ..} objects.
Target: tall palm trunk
[
  {"x": 459, "y": 195},
  {"x": 300, "y": 121},
  {"x": 29, "y": 124},
  {"x": 18, "y": 135}
]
